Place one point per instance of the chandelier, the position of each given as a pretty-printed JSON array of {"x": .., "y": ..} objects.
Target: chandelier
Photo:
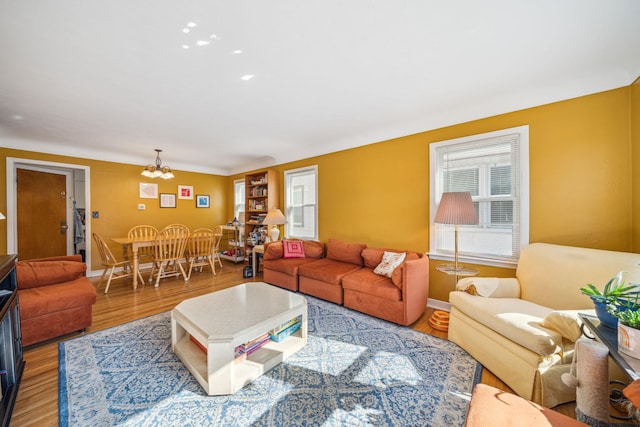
[{"x": 157, "y": 170}]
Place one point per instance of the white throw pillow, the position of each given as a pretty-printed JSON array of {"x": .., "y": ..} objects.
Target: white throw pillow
[
  {"x": 390, "y": 260},
  {"x": 565, "y": 322}
]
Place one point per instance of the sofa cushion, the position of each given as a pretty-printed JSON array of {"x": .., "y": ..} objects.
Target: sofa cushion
[
  {"x": 42, "y": 273},
  {"x": 373, "y": 256},
  {"x": 327, "y": 270},
  {"x": 345, "y": 252},
  {"x": 390, "y": 260},
  {"x": 518, "y": 320},
  {"x": 43, "y": 300},
  {"x": 370, "y": 283},
  {"x": 287, "y": 265},
  {"x": 273, "y": 250},
  {"x": 293, "y": 249},
  {"x": 313, "y": 249}
]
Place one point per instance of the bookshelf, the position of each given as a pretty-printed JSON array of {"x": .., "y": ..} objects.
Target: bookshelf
[
  {"x": 261, "y": 194},
  {"x": 11, "y": 360}
]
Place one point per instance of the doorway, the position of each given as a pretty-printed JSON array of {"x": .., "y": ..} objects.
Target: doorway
[
  {"x": 74, "y": 190},
  {"x": 43, "y": 227}
]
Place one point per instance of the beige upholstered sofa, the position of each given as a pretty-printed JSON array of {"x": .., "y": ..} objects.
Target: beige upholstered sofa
[{"x": 523, "y": 329}]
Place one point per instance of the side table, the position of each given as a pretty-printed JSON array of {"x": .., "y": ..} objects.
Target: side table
[
  {"x": 609, "y": 337},
  {"x": 440, "y": 319},
  {"x": 258, "y": 249}
]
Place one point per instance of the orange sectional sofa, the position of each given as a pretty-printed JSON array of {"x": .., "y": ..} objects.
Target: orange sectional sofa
[
  {"x": 346, "y": 276},
  {"x": 282, "y": 271},
  {"x": 55, "y": 297}
]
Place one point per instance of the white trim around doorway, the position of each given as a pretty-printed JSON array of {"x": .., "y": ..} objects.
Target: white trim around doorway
[{"x": 13, "y": 163}]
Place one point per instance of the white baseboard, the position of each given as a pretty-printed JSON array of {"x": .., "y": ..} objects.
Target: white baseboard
[
  {"x": 98, "y": 273},
  {"x": 438, "y": 305}
]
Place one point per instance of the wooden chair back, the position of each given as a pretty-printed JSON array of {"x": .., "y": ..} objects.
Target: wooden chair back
[
  {"x": 201, "y": 243},
  {"x": 171, "y": 242},
  {"x": 143, "y": 232},
  {"x": 106, "y": 256}
]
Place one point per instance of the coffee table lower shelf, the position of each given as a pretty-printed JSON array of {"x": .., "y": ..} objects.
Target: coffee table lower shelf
[{"x": 232, "y": 376}]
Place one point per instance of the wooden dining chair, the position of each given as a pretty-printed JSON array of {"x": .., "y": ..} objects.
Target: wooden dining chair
[
  {"x": 111, "y": 263},
  {"x": 169, "y": 250},
  {"x": 217, "y": 231},
  {"x": 200, "y": 250},
  {"x": 144, "y": 232}
]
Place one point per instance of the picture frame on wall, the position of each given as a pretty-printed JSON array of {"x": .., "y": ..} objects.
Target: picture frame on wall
[
  {"x": 202, "y": 201},
  {"x": 185, "y": 192},
  {"x": 167, "y": 200},
  {"x": 148, "y": 190}
]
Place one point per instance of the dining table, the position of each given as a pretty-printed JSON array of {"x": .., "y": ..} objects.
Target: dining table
[{"x": 134, "y": 243}]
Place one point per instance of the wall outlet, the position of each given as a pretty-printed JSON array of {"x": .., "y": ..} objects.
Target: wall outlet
[{"x": 141, "y": 207}]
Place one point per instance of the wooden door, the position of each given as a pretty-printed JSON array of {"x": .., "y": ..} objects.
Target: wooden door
[{"x": 42, "y": 214}]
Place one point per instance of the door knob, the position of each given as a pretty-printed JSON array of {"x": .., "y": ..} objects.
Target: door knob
[{"x": 63, "y": 227}]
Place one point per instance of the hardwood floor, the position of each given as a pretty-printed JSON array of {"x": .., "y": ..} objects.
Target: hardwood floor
[{"x": 37, "y": 403}]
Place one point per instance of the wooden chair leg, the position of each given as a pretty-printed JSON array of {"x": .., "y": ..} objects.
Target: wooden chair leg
[{"x": 106, "y": 289}]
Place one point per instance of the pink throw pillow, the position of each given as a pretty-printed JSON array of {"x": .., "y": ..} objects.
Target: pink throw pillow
[{"x": 293, "y": 249}]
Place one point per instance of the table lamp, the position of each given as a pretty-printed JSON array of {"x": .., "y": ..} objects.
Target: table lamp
[{"x": 275, "y": 218}]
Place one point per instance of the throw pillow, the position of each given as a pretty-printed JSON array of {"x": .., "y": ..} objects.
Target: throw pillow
[
  {"x": 565, "y": 322},
  {"x": 390, "y": 260},
  {"x": 293, "y": 249}
]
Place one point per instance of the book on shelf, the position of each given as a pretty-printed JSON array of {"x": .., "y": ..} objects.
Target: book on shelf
[
  {"x": 198, "y": 344},
  {"x": 279, "y": 334},
  {"x": 284, "y": 326},
  {"x": 242, "y": 351}
]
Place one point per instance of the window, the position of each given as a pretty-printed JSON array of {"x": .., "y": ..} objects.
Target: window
[
  {"x": 238, "y": 198},
  {"x": 494, "y": 168},
  {"x": 301, "y": 202}
]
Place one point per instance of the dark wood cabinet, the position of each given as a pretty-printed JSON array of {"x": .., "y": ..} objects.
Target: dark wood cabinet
[{"x": 11, "y": 358}]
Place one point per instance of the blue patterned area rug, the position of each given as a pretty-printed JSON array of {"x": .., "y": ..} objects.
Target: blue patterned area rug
[{"x": 355, "y": 370}]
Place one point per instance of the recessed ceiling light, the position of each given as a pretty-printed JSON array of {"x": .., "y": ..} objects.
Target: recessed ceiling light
[
  {"x": 185, "y": 46},
  {"x": 186, "y": 30},
  {"x": 236, "y": 52},
  {"x": 203, "y": 42},
  {"x": 191, "y": 24},
  {"x": 247, "y": 77},
  {"x": 214, "y": 37}
]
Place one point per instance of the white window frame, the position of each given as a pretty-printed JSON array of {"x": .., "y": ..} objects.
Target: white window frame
[
  {"x": 521, "y": 226},
  {"x": 238, "y": 198},
  {"x": 289, "y": 206}
]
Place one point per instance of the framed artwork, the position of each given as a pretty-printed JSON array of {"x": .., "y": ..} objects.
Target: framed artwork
[
  {"x": 167, "y": 200},
  {"x": 202, "y": 201},
  {"x": 148, "y": 190},
  {"x": 185, "y": 192}
]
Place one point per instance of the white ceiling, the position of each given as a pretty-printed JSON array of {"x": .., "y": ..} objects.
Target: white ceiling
[{"x": 111, "y": 80}]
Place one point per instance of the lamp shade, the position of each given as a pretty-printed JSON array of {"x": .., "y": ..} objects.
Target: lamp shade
[
  {"x": 456, "y": 208},
  {"x": 274, "y": 217},
  {"x": 2, "y": 216}
]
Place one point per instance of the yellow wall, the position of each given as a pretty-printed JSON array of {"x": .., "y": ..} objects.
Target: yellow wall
[
  {"x": 580, "y": 169},
  {"x": 115, "y": 195},
  {"x": 580, "y": 189},
  {"x": 634, "y": 114}
]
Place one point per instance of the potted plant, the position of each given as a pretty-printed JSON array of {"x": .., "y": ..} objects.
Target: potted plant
[
  {"x": 628, "y": 328},
  {"x": 615, "y": 293}
]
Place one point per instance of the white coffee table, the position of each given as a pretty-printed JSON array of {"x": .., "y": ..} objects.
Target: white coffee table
[{"x": 222, "y": 320}]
